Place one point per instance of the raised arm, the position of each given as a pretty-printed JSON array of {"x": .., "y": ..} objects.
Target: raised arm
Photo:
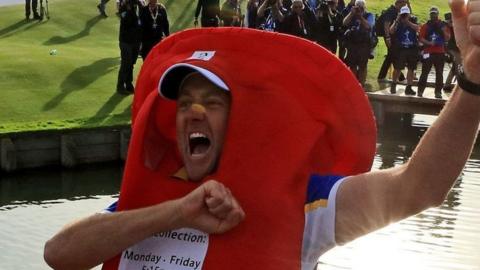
[
  {"x": 372, "y": 200},
  {"x": 88, "y": 242}
]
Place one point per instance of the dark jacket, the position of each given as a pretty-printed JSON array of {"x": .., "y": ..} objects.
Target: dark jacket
[
  {"x": 330, "y": 29},
  {"x": 130, "y": 31},
  {"x": 296, "y": 25},
  {"x": 154, "y": 30},
  {"x": 210, "y": 9}
]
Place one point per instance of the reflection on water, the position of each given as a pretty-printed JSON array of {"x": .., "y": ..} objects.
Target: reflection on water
[
  {"x": 47, "y": 185},
  {"x": 36, "y": 204}
]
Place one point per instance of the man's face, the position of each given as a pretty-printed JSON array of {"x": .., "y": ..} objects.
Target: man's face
[
  {"x": 433, "y": 16},
  {"x": 202, "y": 116}
]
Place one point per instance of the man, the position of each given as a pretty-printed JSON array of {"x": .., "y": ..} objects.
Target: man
[
  {"x": 222, "y": 132},
  {"x": 453, "y": 54},
  {"x": 389, "y": 17},
  {"x": 342, "y": 50},
  {"x": 330, "y": 23},
  {"x": 31, "y": 6},
  {"x": 210, "y": 13},
  {"x": 295, "y": 23},
  {"x": 404, "y": 29},
  {"x": 359, "y": 24},
  {"x": 154, "y": 25},
  {"x": 434, "y": 35},
  {"x": 129, "y": 42},
  {"x": 270, "y": 15},
  {"x": 251, "y": 14}
]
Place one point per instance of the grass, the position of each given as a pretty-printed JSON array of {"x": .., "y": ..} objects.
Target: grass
[{"x": 76, "y": 87}]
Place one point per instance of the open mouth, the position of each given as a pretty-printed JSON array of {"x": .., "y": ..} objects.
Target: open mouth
[{"x": 199, "y": 144}]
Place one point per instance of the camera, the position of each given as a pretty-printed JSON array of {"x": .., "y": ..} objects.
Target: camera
[{"x": 448, "y": 16}]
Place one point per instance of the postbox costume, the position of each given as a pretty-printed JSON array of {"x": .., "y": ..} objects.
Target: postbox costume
[{"x": 299, "y": 121}]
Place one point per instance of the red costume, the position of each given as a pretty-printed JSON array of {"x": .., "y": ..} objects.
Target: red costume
[{"x": 284, "y": 125}]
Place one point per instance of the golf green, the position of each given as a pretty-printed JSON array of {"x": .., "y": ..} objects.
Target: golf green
[{"x": 61, "y": 73}]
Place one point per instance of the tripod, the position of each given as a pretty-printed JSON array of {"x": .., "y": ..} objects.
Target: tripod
[{"x": 44, "y": 10}]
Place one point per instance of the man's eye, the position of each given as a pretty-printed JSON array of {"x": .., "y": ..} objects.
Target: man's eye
[
  {"x": 214, "y": 102},
  {"x": 184, "y": 104}
]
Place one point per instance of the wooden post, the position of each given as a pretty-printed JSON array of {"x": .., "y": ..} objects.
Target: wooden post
[{"x": 8, "y": 157}]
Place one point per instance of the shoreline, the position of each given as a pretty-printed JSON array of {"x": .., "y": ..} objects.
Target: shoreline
[{"x": 5, "y": 3}]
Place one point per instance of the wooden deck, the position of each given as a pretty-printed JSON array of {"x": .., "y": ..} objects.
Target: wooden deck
[{"x": 383, "y": 102}]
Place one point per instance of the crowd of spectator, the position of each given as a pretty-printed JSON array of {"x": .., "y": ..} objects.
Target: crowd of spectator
[{"x": 346, "y": 29}]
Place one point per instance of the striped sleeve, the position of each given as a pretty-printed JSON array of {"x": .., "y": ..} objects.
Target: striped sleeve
[
  {"x": 111, "y": 208},
  {"x": 319, "y": 231}
]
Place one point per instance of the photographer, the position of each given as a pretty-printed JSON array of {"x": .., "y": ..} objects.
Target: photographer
[
  {"x": 270, "y": 15},
  {"x": 389, "y": 17},
  {"x": 296, "y": 22},
  {"x": 210, "y": 13},
  {"x": 330, "y": 23},
  {"x": 129, "y": 38},
  {"x": 434, "y": 35},
  {"x": 359, "y": 24},
  {"x": 404, "y": 29},
  {"x": 155, "y": 25}
]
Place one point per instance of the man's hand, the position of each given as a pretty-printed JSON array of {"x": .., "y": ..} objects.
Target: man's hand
[
  {"x": 466, "y": 25},
  {"x": 210, "y": 208}
]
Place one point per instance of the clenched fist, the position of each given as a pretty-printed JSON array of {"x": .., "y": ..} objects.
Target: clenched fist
[{"x": 210, "y": 208}]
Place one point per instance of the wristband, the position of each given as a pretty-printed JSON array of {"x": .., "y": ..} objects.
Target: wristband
[{"x": 465, "y": 84}]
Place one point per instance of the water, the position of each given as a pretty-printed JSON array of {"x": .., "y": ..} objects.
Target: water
[
  {"x": 36, "y": 204},
  {"x": 446, "y": 237}
]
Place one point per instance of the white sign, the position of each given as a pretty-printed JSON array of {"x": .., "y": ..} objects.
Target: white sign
[
  {"x": 182, "y": 249},
  {"x": 202, "y": 55}
]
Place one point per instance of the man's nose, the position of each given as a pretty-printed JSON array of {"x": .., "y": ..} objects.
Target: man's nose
[{"x": 197, "y": 111}]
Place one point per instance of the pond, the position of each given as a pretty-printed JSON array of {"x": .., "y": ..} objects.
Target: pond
[{"x": 35, "y": 204}]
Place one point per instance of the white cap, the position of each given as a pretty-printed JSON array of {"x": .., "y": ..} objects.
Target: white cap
[
  {"x": 405, "y": 10},
  {"x": 360, "y": 3},
  {"x": 172, "y": 78},
  {"x": 434, "y": 9}
]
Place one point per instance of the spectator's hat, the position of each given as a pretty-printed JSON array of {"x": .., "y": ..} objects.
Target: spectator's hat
[
  {"x": 360, "y": 3},
  {"x": 434, "y": 10},
  {"x": 404, "y": 10}
]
